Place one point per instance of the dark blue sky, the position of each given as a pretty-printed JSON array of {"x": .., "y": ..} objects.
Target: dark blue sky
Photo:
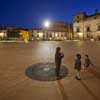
[{"x": 29, "y": 13}]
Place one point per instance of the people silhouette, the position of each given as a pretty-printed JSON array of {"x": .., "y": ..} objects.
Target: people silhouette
[
  {"x": 78, "y": 66},
  {"x": 58, "y": 60}
]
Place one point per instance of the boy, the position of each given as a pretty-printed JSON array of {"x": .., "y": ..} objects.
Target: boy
[
  {"x": 78, "y": 66},
  {"x": 58, "y": 60},
  {"x": 87, "y": 62}
]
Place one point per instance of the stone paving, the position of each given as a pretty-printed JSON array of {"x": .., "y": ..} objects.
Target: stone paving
[{"x": 15, "y": 59}]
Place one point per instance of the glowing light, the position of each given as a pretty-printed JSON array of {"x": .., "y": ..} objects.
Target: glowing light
[
  {"x": 50, "y": 38},
  {"x": 47, "y": 24},
  {"x": 40, "y": 34},
  {"x": 21, "y": 33},
  {"x": 65, "y": 38},
  {"x": 92, "y": 39},
  {"x": 56, "y": 35},
  {"x": 80, "y": 34},
  {"x": 1, "y": 34},
  {"x": 37, "y": 38},
  {"x": 25, "y": 35}
]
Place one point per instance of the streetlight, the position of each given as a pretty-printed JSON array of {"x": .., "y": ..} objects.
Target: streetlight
[
  {"x": 47, "y": 24},
  {"x": 80, "y": 35}
]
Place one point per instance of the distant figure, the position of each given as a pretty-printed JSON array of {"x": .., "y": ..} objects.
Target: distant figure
[
  {"x": 26, "y": 41},
  {"x": 87, "y": 62},
  {"x": 78, "y": 66},
  {"x": 58, "y": 60}
]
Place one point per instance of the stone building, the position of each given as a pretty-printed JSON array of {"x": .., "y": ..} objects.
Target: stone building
[
  {"x": 12, "y": 33},
  {"x": 56, "y": 31},
  {"x": 86, "y": 26}
]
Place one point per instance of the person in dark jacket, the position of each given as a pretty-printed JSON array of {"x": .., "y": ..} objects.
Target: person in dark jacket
[
  {"x": 87, "y": 62},
  {"x": 78, "y": 66},
  {"x": 58, "y": 60}
]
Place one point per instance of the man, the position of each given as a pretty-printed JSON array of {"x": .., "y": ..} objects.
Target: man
[{"x": 58, "y": 60}]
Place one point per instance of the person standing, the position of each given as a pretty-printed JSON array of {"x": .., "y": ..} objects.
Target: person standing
[
  {"x": 58, "y": 60},
  {"x": 78, "y": 66},
  {"x": 87, "y": 62}
]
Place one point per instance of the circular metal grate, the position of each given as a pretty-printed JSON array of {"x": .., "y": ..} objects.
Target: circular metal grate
[{"x": 45, "y": 72}]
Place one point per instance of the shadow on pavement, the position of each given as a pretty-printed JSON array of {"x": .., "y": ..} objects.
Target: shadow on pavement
[
  {"x": 62, "y": 90},
  {"x": 88, "y": 90}
]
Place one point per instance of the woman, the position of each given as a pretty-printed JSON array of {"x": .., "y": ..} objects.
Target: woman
[{"x": 58, "y": 60}]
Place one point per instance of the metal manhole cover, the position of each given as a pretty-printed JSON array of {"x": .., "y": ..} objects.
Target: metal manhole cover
[{"x": 45, "y": 72}]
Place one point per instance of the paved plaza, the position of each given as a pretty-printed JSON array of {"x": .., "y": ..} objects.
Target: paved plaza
[{"x": 16, "y": 58}]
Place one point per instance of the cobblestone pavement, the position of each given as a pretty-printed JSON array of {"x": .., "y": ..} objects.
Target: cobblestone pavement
[{"x": 15, "y": 59}]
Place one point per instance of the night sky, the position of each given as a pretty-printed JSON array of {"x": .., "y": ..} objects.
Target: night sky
[{"x": 32, "y": 13}]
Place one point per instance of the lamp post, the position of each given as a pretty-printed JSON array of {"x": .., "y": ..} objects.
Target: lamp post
[{"x": 46, "y": 26}]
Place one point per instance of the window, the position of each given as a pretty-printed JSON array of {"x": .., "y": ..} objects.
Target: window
[
  {"x": 61, "y": 35},
  {"x": 74, "y": 20},
  {"x": 43, "y": 35},
  {"x": 78, "y": 17},
  {"x": 88, "y": 36},
  {"x": 78, "y": 29},
  {"x": 38, "y": 36},
  {"x": 51, "y": 35},
  {"x": 98, "y": 28},
  {"x": 88, "y": 29},
  {"x": 78, "y": 21},
  {"x": 94, "y": 17}
]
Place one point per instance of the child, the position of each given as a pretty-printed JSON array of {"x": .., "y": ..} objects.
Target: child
[
  {"x": 58, "y": 60},
  {"x": 78, "y": 66},
  {"x": 87, "y": 62}
]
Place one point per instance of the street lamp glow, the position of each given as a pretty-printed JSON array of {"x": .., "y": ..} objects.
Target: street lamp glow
[
  {"x": 40, "y": 34},
  {"x": 80, "y": 34},
  {"x": 56, "y": 35},
  {"x": 47, "y": 24},
  {"x": 2, "y": 34}
]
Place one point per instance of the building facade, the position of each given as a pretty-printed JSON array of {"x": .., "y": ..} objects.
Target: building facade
[
  {"x": 56, "y": 31},
  {"x": 12, "y": 33},
  {"x": 86, "y": 26}
]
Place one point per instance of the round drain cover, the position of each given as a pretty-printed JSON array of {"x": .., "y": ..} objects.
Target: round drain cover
[{"x": 45, "y": 72}]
